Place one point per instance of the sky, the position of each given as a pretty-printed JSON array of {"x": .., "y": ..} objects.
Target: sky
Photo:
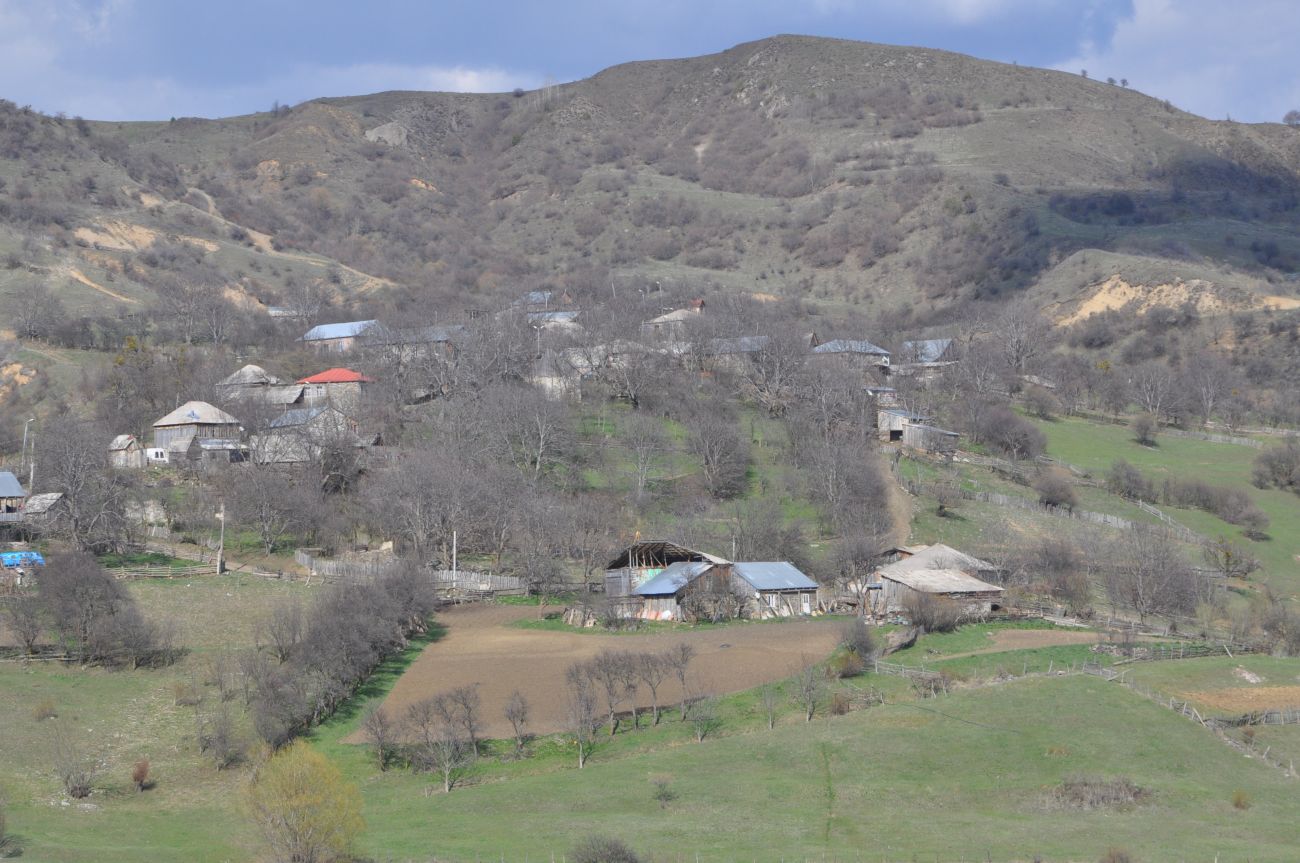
[{"x": 154, "y": 59}]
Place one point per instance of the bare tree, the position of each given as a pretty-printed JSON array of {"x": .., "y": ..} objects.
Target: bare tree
[
  {"x": 382, "y": 731},
  {"x": 272, "y": 501},
  {"x": 608, "y": 670},
  {"x": 652, "y": 669},
  {"x": 1147, "y": 573},
  {"x": 26, "y": 619},
  {"x": 282, "y": 630},
  {"x": 465, "y": 703},
  {"x": 705, "y": 718},
  {"x": 678, "y": 657},
  {"x": 516, "y": 712},
  {"x": 440, "y": 744},
  {"x": 1230, "y": 559},
  {"x": 723, "y": 455},
  {"x": 769, "y": 699},
  {"x": 644, "y": 438},
  {"x": 580, "y": 710},
  {"x": 809, "y": 689},
  {"x": 72, "y": 459}
]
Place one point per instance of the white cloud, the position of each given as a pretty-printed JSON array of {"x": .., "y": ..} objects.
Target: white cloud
[
  {"x": 1206, "y": 56},
  {"x": 37, "y": 40},
  {"x": 961, "y": 12}
]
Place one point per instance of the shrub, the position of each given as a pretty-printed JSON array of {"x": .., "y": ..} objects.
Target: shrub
[
  {"x": 1144, "y": 429},
  {"x": 846, "y": 664},
  {"x": 603, "y": 849},
  {"x": 663, "y": 794},
  {"x": 1240, "y": 800},
  {"x": 859, "y": 639},
  {"x": 840, "y": 704},
  {"x": 44, "y": 709},
  {"x": 932, "y": 613},
  {"x": 1055, "y": 490},
  {"x": 1093, "y": 792}
]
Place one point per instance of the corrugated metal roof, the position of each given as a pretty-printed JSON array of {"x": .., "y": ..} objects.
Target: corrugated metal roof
[
  {"x": 773, "y": 575},
  {"x": 926, "y": 350},
  {"x": 850, "y": 346},
  {"x": 39, "y": 504},
  {"x": 10, "y": 486},
  {"x": 941, "y": 581},
  {"x": 200, "y": 413},
  {"x": 741, "y": 345},
  {"x": 282, "y": 395},
  {"x": 250, "y": 376},
  {"x": 658, "y": 549},
  {"x": 297, "y": 417},
  {"x": 344, "y": 330},
  {"x": 553, "y": 317},
  {"x": 907, "y": 415},
  {"x": 674, "y": 578},
  {"x": 122, "y": 442},
  {"x": 936, "y": 557}
]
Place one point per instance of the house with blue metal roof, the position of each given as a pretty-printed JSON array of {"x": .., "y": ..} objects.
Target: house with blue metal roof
[
  {"x": 715, "y": 589},
  {"x": 853, "y": 351},
  {"x": 336, "y": 338}
]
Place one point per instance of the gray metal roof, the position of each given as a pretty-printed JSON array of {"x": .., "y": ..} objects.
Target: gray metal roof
[
  {"x": 674, "y": 578},
  {"x": 249, "y": 376},
  {"x": 553, "y": 317},
  {"x": 774, "y": 575},
  {"x": 297, "y": 417},
  {"x": 904, "y": 414},
  {"x": 926, "y": 350},
  {"x": 10, "y": 486},
  {"x": 741, "y": 345},
  {"x": 850, "y": 346},
  {"x": 344, "y": 330}
]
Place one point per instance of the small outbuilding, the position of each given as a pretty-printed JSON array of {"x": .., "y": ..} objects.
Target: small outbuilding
[
  {"x": 931, "y": 439},
  {"x": 126, "y": 452},
  {"x": 703, "y": 590},
  {"x": 336, "y": 338},
  {"x": 12, "y": 498},
  {"x": 939, "y": 570},
  {"x": 646, "y": 559}
]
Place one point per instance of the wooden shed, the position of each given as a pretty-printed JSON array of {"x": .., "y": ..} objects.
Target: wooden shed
[
  {"x": 928, "y": 438},
  {"x": 939, "y": 570},
  {"x": 12, "y": 498},
  {"x": 645, "y": 559},
  {"x": 126, "y": 452}
]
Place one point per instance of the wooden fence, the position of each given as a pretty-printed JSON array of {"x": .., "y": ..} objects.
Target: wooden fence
[
  {"x": 1164, "y": 652},
  {"x": 1260, "y": 717},
  {"x": 127, "y": 572},
  {"x": 909, "y": 671}
]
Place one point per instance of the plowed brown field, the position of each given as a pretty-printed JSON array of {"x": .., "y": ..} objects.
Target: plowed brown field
[{"x": 480, "y": 647}]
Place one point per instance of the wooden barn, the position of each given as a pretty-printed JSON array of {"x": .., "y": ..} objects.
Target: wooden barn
[
  {"x": 645, "y": 559},
  {"x": 928, "y": 438},
  {"x": 174, "y": 432},
  {"x": 939, "y": 570}
]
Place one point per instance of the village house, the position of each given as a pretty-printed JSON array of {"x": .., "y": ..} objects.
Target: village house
[
  {"x": 542, "y": 300},
  {"x": 938, "y": 570},
  {"x": 705, "y": 590},
  {"x": 173, "y": 434},
  {"x": 254, "y": 384},
  {"x": 672, "y": 325},
  {"x": 43, "y": 510},
  {"x": 336, "y": 338},
  {"x": 891, "y": 422},
  {"x": 127, "y": 453},
  {"x": 301, "y": 434},
  {"x": 853, "y": 353},
  {"x": 658, "y": 580},
  {"x": 12, "y": 498},
  {"x": 338, "y": 387},
  {"x": 925, "y": 359}
]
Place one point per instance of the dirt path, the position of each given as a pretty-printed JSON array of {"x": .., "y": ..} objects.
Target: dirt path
[
  {"x": 1025, "y": 639},
  {"x": 481, "y": 648}
]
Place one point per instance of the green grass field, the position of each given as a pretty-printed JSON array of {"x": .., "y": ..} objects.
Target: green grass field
[
  {"x": 965, "y": 775},
  {"x": 1095, "y": 446}
]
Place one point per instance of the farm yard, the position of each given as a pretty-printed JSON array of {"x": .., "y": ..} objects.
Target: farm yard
[{"x": 482, "y": 648}]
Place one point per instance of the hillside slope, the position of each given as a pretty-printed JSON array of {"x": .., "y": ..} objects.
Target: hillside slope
[{"x": 847, "y": 172}]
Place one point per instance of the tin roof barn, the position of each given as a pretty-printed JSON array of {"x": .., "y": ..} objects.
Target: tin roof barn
[
  {"x": 939, "y": 570},
  {"x": 708, "y": 590},
  {"x": 336, "y": 338}
]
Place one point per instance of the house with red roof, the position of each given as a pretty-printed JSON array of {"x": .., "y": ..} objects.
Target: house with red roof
[{"x": 338, "y": 387}]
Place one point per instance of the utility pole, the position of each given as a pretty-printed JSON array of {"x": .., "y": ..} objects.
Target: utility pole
[
  {"x": 221, "y": 542},
  {"x": 453, "y": 557},
  {"x": 23, "y": 459}
]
